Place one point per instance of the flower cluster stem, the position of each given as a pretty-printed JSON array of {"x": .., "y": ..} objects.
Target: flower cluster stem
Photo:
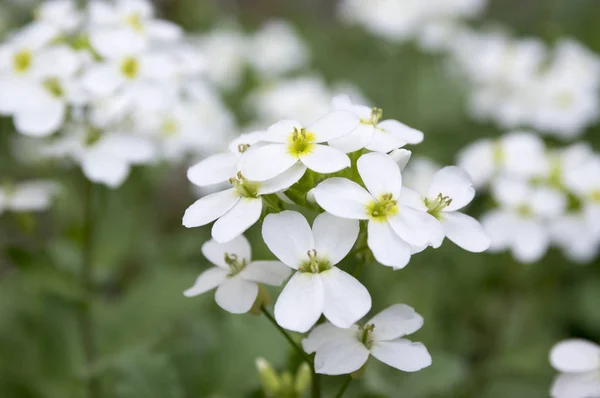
[
  {"x": 86, "y": 324},
  {"x": 340, "y": 394}
]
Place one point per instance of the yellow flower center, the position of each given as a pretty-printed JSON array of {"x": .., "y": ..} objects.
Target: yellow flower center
[
  {"x": 524, "y": 211},
  {"x": 564, "y": 100},
  {"x": 435, "y": 206},
  {"x": 376, "y": 114},
  {"x": 130, "y": 67},
  {"x": 315, "y": 264},
  {"x": 245, "y": 188},
  {"x": 498, "y": 154},
  {"x": 596, "y": 196},
  {"x": 301, "y": 142},
  {"x": 53, "y": 86},
  {"x": 236, "y": 265},
  {"x": 169, "y": 127},
  {"x": 22, "y": 61},
  {"x": 381, "y": 209},
  {"x": 135, "y": 22}
]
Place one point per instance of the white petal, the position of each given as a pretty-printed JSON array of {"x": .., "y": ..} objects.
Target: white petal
[
  {"x": 163, "y": 30},
  {"x": 417, "y": 227},
  {"x": 32, "y": 196},
  {"x": 357, "y": 139},
  {"x": 575, "y": 356},
  {"x": 325, "y": 159},
  {"x": 106, "y": 170},
  {"x": 401, "y": 157},
  {"x": 380, "y": 174},
  {"x": 530, "y": 241},
  {"x": 42, "y": 120},
  {"x": 341, "y": 357},
  {"x": 478, "y": 160},
  {"x": 402, "y": 354},
  {"x": 396, "y": 321},
  {"x": 326, "y": 333},
  {"x": 215, "y": 251},
  {"x": 465, "y": 231},
  {"x": 209, "y": 208},
  {"x": 283, "y": 181},
  {"x": 300, "y": 304},
  {"x": 498, "y": 226},
  {"x": 281, "y": 131},
  {"x": 288, "y": 236},
  {"x": 576, "y": 385},
  {"x": 265, "y": 162},
  {"x": 236, "y": 295},
  {"x": 130, "y": 148},
  {"x": 454, "y": 182},
  {"x": 207, "y": 280},
  {"x": 334, "y": 236},
  {"x": 386, "y": 245},
  {"x": 334, "y": 125},
  {"x": 244, "y": 214},
  {"x": 114, "y": 43},
  {"x": 213, "y": 170},
  {"x": 346, "y": 299},
  {"x": 272, "y": 273},
  {"x": 385, "y": 142},
  {"x": 401, "y": 131},
  {"x": 343, "y": 198},
  {"x": 102, "y": 80}
]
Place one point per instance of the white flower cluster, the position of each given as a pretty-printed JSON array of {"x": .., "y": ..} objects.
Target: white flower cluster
[
  {"x": 520, "y": 83},
  {"x": 578, "y": 362},
  {"x": 111, "y": 86},
  {"x": 403, "y": 20},
  {"x": 542, "y": 196},
  {"x": 349, "y": 164}
]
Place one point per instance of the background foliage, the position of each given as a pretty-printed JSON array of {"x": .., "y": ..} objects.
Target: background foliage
[{"x": 490, "y": 321}]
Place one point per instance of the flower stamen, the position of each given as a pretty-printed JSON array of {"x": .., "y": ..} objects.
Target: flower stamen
[
  {"x": 435, "y": 207},
  {"x": 246, "y": 188},
  {"x": 386, "y": 206}
]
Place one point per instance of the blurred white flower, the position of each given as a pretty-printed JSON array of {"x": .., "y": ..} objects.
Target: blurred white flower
[
  {"x": 28, "y": 196},
  {"x": 578, "y": 362},
  {"x": 372, "y": 133},
  {"x": 318, "y": 287},
  {"x": 397, "y": 217},
  {"x": 235, "y": 275},
  {"x": 276, "y": 49},
  {"x": 63, "y": 14},
  {"x": 341, "y": 351},
  {"x": 289, "y": 144},
  {"x": 225, "y": 52}
]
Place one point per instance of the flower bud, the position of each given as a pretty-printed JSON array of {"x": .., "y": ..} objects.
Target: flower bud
[
  {"x": 268, "y": 377},
  {"x": 303, "y": 379}
]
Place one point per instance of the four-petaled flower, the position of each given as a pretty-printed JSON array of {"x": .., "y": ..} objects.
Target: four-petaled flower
[
  {"x": 342, "y": 351},
  {"x": 235, "y": 275},
  {"x": 398, "y": 225},
  {"x": 318, "y": 287}
]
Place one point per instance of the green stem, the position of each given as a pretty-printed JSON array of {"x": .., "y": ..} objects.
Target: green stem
[
  {"x": 344, "y": 387},
  {"x": 316, "y": 384},
  {"x": 289, "y": 338},
  {"x": 86, "y": 323}
]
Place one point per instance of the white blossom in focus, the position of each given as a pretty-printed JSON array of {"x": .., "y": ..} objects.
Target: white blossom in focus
[
  {"x": 318, "y": 287},
  {"x": 342, "y": 351},
  {"x": 235, "y": 275}
]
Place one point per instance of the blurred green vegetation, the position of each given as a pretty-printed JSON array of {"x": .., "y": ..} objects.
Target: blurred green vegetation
[{"x": 490, "y": 322}]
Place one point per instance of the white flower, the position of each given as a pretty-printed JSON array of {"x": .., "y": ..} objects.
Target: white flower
[
  {"x": 27, "y": 196},
  {"x": 225, "y": 51},
  {"x": 276, "y": 49},
  {"x": 521, "y": 222},
  {"x": 398, "y": 220},
  {"x": 61, "y": 13},
  {"x": 291, "y": 144},
  {"x": 371, "y": 133},
  {"x": 236, "y": 209},
  {"x": 452, "y": 189},
  {"x": 519, "y": 154},
  {"x": 318, "y": 287},
  {"x": 342, "y": 351},
  {"x": 235, "y": 275},
  {"x": 578, "y": 361}
]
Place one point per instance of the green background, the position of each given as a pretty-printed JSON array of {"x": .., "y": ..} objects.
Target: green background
[{"x": 489, "y": 321}]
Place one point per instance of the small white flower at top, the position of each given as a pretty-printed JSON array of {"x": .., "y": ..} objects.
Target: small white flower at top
[
  {"x": 343, "y": 351},
  {"x": 288, "y": 144},
  {"x": 450, "y": 190},
  {"x": 372, "y": 133},
  {"x": 235, "y": 275},
  {"x": 578, "y": 362},
  {"x": 398, "y": 223},
  {"x": 29, "y": 196},
  {"x": 318, "y": 287}
]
